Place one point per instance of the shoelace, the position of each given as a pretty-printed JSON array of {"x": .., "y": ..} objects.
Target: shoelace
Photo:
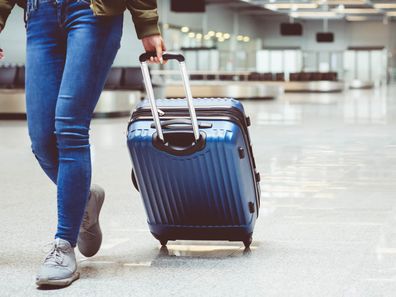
[{"x": 55, "y": 255}]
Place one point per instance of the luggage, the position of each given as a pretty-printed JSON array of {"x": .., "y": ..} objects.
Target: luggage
[{"x": 194, "y": 165}]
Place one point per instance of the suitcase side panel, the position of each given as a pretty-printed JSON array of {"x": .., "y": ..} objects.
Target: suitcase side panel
[{"x": 212, "y": 187}]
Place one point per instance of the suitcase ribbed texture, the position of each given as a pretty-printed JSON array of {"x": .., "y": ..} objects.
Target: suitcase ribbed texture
[{"x": 191, "y": 190}]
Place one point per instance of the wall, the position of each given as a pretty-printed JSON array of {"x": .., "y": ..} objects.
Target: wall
[
  {"x": 220, "y": 18},
  {"x": 13, "y": 41},
  {"x": 217, "y": 18},
  {"x": 346, "y": 34}
]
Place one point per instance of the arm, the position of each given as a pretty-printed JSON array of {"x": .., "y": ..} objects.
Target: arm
[
  {"x": 145, "y": 17},
  {"x": 5, "y": 9}
]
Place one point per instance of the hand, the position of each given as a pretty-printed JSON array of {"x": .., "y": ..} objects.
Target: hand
[
  {"x": 1, "y": 54},
  {"x": 156, "y": 44}
]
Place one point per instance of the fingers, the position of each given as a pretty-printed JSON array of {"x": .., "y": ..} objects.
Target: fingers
[
  {"x": 154, "y": 43},
  {"x": 163, "y": 50},
  {"x": 158, "y": 50}
]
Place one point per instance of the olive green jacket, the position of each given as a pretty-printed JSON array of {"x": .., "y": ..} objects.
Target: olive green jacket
[{"x": 144, "y": 12}]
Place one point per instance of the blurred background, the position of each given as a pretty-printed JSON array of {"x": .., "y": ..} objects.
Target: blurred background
[
  {"x": 317, "y": 79},
  {"x": 285, "y": 45}
]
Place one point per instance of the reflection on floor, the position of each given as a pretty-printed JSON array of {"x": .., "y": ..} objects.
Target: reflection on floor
[{"x": 327, "y": 225}]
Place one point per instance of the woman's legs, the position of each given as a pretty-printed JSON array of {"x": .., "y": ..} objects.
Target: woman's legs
[
  {"x": 92, "y": 44},
  {"x": 70, "y": 52},
  {"x": 45, "y": 59}
]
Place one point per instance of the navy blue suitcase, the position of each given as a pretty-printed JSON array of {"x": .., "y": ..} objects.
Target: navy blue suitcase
[{"x": 194, "y": 166}]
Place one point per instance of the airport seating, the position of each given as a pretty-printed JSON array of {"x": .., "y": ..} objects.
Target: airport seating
[
  {"x": 114, "y": 79},
  {"x": 266, "y": 76},
  {"x": 226, "y": 77},
  {"x": 254, "y": 76},
  {"x": 313, "y": 76},
  {"x": 242, "y": 77},
  {"x": 196, "y": 77},
  {"x": 8, "y": 76},
  {"x": 132, "y": 79},
  {"x": 294, "y": 76},
  {"x": 20, "y": 78},
  {"x": 280, "y": 76},
  {"x": 332, "y": 76}
]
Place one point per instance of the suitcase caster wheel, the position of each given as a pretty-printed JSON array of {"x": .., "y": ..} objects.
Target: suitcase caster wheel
[
  {"x": 163, "y": 242},
  {"x": 247, "y": 242}
]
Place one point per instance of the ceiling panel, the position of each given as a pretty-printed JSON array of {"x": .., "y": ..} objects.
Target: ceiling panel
[{"x": 363, "y": 10}]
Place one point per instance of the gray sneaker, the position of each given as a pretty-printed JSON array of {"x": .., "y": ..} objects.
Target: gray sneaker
[
  {"x": 59, "y": 267},
  {"x": 90, "y": 236}
]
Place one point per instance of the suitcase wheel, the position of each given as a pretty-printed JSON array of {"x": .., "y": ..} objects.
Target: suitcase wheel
[
  {"x": 247, "y": 242},
  {"x": 163, "y": 242}
]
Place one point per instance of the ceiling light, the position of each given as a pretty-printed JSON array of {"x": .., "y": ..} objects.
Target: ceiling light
[
  {"x": 221, "y": 39},
  {"x": 185, "y": 29},
  {"x": 219, "y": 34},
  {"x": 246, "y": 39},
  {"x": 360, "y": 11},
  {"x": 341, "y": 7},
  {"x": 226, "y": 36},
  {"x": 356, "y": 18},
  {"x": 240, "y": 37},
  {"x": 206, "y": 37},
  {"x": 191, "y": 34},
  {"x": 211, "y": 33},
  {"x": 294, "y": 6},
  {"x": 345, "y": 2},
  {"x": 272, "y": 7},
  {"x": 385, "y": 5},
  {"x": 315, "y": 14},
  {"x": 198, "y": 36}
]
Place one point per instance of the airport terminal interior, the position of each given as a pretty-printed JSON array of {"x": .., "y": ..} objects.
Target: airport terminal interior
[{"x": 317, "y": 79}]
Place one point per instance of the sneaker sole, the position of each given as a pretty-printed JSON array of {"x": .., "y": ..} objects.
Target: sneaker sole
[{"x": 58, "y": 282}]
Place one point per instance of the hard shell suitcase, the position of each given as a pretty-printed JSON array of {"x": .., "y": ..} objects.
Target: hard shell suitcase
[{"x": 194, "y": 166}]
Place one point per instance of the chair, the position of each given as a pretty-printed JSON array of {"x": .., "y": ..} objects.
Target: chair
[
  {"x": 280, "y": 76},
  {"x": 316, "y": 76},
  {"x": 254, "y": 76},
  {"x": 20, "y": 79},
  {"x": 8, "y": 76},
  {"x": 226, "y": 77},
  {"x": 196, "y": 77},
  {"x": 305, "y": 76},
  {"x": 294, "y": 76},
  {"x": 114, "y": 79},
  {"x": 132, "y": 79},
  {"x": 267, "y": 76}
]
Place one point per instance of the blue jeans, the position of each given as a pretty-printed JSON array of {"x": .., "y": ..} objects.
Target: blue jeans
[{"x": 69, "y": 54}]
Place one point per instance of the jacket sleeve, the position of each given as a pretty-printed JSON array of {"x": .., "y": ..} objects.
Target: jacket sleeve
[
  {"x": 5, "y": 9},
  {"x": 145, "y": 17}
]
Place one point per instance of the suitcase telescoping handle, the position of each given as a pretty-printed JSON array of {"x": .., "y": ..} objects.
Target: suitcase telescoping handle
[{"x": 150, "y": 93}]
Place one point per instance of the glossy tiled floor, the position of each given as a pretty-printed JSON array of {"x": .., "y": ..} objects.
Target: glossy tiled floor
[{"x": 327, "y": 225}]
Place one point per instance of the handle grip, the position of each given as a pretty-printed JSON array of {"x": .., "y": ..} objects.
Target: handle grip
[
  {"x": 150, "y": 92},
  {"x": 166, "y": 56}
]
